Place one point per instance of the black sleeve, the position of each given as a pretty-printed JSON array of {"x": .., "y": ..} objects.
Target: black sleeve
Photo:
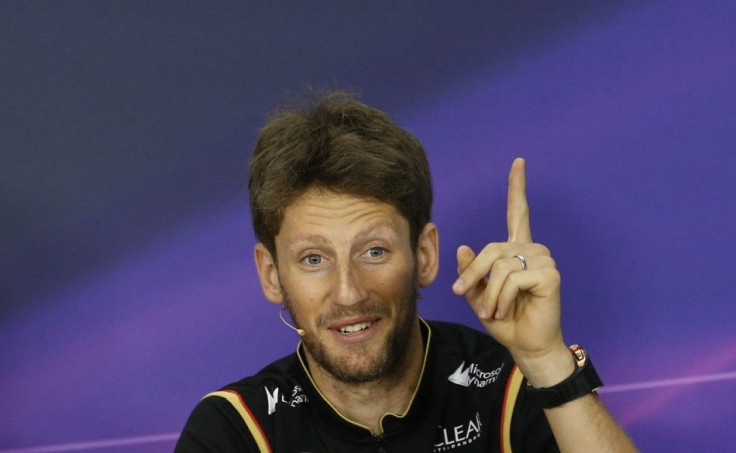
[
  {"x": 215, "y": 426},
  {"x": 530, "y": 431}
]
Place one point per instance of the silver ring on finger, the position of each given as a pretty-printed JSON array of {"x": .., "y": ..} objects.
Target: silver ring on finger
[{"x": 522, "y": 260}]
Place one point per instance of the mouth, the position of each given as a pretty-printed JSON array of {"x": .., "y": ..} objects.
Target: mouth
[{"x": 353, "y": 328}]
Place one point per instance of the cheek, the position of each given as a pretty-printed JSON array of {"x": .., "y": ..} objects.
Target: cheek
[
  {"x": 395, "y": 283},
  {"x": 303, "y": 294}
]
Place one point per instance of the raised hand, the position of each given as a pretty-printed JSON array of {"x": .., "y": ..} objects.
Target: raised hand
[{"x": 519, "y": 307}]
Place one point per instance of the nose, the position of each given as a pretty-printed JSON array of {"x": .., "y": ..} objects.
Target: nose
[{"x": 347, "y": 288}]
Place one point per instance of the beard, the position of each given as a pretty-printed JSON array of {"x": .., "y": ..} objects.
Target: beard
[{"x": 357, "y": 364}]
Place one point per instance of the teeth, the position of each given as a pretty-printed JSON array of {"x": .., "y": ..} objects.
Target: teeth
[{"x": 354, "y": 328}]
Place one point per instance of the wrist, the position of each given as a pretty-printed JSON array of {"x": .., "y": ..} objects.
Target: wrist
[{"x": 547, "y": 369}]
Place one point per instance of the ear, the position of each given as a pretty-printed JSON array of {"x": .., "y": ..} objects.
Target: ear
[
  {"x": 268, "y": 273},
  {"x": 428, "y": 255}
]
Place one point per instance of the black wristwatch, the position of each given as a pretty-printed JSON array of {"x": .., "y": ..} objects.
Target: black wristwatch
[{"x": 584, "y": 380}]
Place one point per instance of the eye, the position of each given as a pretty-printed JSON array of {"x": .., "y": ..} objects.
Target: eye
[
  {"x": 312, "y": 260},
  {"x": 376, "y": 252}
]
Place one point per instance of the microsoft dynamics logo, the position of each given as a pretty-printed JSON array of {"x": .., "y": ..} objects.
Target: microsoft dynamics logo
[{"x": 472, "y": 375}]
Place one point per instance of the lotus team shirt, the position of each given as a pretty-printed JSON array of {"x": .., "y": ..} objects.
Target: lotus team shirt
[{"x": 471, "y": 398}]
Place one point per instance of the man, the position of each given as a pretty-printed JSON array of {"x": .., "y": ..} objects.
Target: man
[{"x": 341, "y": 199}]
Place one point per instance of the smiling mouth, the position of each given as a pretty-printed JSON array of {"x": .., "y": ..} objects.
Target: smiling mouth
[{"x": 349, "y": 330}]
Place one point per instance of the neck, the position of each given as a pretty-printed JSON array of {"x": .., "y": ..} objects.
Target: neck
[{"x": 365, "y": 403}]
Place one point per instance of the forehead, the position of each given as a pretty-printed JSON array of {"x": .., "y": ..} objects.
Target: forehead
[{"x": 321, "y": 211}]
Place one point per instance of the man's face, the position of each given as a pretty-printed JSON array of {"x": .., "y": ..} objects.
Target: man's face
[{"x": 348, "y": 277}]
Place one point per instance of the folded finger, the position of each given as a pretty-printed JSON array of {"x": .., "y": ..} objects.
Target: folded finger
[
  {"x": 500, "y": 272},
  {"x": 517, "y": 282}
]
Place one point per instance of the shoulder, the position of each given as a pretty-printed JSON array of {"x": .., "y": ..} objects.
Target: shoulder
[
  {"x": 235, "y": 418},
  {"x": 282, "y": 372},
  {"x": 282, "y": 380}
]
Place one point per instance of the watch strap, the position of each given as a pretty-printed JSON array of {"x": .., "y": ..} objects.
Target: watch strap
[{"x": 582, "y": 381}]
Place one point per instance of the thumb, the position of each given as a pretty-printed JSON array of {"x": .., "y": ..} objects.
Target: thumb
[
  {"x": 465, "y": 256},
  {"x": 471, "y": 290}
]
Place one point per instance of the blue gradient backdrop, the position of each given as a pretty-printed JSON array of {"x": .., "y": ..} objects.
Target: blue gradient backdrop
[{"x": 127, "y": 284}]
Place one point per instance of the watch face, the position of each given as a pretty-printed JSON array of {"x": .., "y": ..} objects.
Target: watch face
[{"x": 579, "y": 353}]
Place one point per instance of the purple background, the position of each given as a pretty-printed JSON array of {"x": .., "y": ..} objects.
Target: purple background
[{"x": 127, "y": 286}]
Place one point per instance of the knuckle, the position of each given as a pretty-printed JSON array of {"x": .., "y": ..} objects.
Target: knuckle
[
  {"x": 550, "y": 262},
  {"x": 553, "y": 275},
  {"x": 491, "y": 248},
  {"x": 512, "y": 279},
  {"x": 498, "y": 267}
]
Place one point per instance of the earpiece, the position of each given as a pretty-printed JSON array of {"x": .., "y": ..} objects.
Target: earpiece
[{"x": 301, "y": 332}]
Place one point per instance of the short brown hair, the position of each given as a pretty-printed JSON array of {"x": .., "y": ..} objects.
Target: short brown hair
[{"x": 340, "y": 144}]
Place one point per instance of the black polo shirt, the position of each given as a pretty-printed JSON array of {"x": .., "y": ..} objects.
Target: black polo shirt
[{"x": 471, "y": 398}]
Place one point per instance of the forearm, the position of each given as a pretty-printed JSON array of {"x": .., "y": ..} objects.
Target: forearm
[
  {"x": 580, "y": 425},
  {"x": 584, "y": 425}
]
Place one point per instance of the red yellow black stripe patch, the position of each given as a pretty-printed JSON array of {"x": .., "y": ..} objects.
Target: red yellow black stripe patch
[
  {"x": 513, "y": 385},
  {"x": 255, "y": 429}
]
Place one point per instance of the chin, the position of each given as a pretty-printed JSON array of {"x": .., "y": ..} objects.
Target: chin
[{"x": 360, "y": 368}]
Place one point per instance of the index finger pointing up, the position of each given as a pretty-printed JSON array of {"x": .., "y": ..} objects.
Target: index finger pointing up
[{"x": 517, "y": 208}]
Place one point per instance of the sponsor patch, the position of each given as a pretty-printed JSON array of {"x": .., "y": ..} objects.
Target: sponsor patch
[
  {"x": 275, "y": 397},
  {"x": 472, "y": 375},
  {"x": 452, "y": 437}
]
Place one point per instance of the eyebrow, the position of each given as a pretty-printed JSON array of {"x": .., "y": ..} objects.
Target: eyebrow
[
  {"x": 361, "y": 235},
  {"x": 319, "y": 239},
  {"x": 380, "y": 225}
]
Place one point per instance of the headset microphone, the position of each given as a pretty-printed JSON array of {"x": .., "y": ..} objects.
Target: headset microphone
[{"x": 301, "y": 332}]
